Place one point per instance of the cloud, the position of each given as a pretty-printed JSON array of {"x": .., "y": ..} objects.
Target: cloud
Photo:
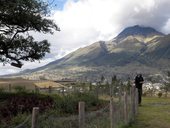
[
  {"x": 86, "y": 21},
  {"x": 83, "y": 22}
]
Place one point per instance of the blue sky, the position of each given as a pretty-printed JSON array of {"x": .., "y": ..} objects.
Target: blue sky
[
  {"x": 59, "y": 4},
  {"x": 83, "y": 22}
]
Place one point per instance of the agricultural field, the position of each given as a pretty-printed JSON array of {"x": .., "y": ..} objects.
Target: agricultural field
[{"x": 9, "y": 84}]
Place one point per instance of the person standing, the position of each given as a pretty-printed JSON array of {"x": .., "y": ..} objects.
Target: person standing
[{"x": 138, "y": 83}]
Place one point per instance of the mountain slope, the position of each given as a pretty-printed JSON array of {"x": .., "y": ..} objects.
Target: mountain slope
[{"x": 135, "y": 49}]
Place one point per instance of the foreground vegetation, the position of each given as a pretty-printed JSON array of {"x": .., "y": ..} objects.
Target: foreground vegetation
[
  {"x": 154, "y": 113},
  {"x": 16, "y": 107}
]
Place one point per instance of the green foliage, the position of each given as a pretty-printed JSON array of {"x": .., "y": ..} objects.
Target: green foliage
[
  {"x": 160, "y": 94},
  {"x": 19, "y": 89},
  {"x": 114, "y": 79},
  {"x": 5, "y": 95},
  {"x": 20, "y": 118},
  {"x": 168, "y": 73},
  {"x": 1, "y": 90},
  {"x": 166, "y": 88},
  {"x": 116, "y": 85},
  {"x": 62, "y": 106},
  {"x": 69, "y": 104},
  {"x": 102, "y": 78},
  {"x": 17, "y": 18}
]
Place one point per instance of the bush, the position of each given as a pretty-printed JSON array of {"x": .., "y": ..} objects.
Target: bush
[
  {"x": 17, "y": 120},
  {"x": 24, "y": 102},
  {"x": 1, "y": 90},
  {"x": 19, "y": 89},
  {"x": 144, "y": 94},
  {"x": 50, "y": 105},
  {"x": 160, "y": 94},
  {"x": 69, "y": 104}
]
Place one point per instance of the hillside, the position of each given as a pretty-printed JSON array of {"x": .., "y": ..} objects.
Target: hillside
[{"x": 135, "y": 49}]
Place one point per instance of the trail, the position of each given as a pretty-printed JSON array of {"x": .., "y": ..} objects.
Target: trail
[{"x": 154, "y": 113}]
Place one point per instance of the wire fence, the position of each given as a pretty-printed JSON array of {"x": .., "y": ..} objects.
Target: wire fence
[
  {"x": 25, "y": 124},
  {"x": 119, "y": 112}
]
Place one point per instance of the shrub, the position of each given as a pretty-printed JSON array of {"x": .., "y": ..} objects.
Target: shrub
[
  {"x": 69, "y": 104},
  {"x": 144, "y": 94},
  {"x": 24, "y": 102},
  {"x": 160, "y": 94},
  {"x": 19, "y": 89},
  {"x": 20, "y": 118},
  {"x": 1, "y": 90}
]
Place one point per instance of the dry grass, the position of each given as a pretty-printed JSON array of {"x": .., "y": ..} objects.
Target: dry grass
[
  {"x": 46, "y": 84},
  {"x": 27, "y": 84}
]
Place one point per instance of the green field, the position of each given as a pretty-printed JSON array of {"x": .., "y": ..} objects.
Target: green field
[{"x": 154, "y": 113}]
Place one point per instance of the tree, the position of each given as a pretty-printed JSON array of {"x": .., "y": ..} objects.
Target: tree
[
  {"x": 114, "y": 79},
  {"x": 102, "y": 79},
  {"x": 17, "y": 19},
  {"x": 128, "y": 85},
  {"x": 168, "y": 73},
  {"x": 166, "y": 88},
  {"x": 115, "y": 85}
]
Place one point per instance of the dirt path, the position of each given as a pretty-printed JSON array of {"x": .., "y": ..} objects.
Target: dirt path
[{"x": 154, "y": 113}]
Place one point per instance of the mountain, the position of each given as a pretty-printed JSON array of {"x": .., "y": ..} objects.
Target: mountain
[
  {"x": 138, "y": 31},
  {"x": 135, "y": 49}
]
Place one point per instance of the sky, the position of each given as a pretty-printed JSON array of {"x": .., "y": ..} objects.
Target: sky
[{"x": 83, "y": 22}]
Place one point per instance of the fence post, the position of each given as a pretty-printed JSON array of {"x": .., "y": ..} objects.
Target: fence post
[
  {"x": 125, "y": 108},
  {"x": 35, "y": 112},
  {"x": 36, "y": 89},
  {"x": 136, "y": 101},
  {"x": 133, "y": 102},
  {"x": 97, "y": 91},
  {"x": 81, "y": 114},
  {"x": 63, "y": 91},
  {"x": 9, "y": 87},
  {"x": 49, "y": 89},
  {"x": 120, "y": 115},
  {"x": 112, "y": 123}
]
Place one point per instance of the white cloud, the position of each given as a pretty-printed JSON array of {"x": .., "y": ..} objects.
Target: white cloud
[
  {"x": 86, "y": 21},
  {"x": 166, "y": 27}
]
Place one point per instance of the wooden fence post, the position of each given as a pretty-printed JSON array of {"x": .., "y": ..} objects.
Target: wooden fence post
[
  {"x": 49, "y": 89},
  {"x": 120, "y": 111},
  {"x": 133, "y": 102},
  {"x": 36, "y": 89},
  {"x": 112, "y": 123},
  {"x": 10, "y": 88},
  {"x": 125, "y": 108},
  {"x": 81, "y": 114},
  {"x": 97, "y": 91},
  {"x": 136, "y": 101},
  {"x": 35, "y": 112},
  {"x": 63, "y": 91}
]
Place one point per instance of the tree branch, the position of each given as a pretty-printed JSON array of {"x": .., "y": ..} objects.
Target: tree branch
[{"x": 19, "y": 31}]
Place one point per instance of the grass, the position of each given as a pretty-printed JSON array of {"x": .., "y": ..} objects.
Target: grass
[
  {"x": 154, "y": 113},
  {"x": 52, "y": 107}
]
